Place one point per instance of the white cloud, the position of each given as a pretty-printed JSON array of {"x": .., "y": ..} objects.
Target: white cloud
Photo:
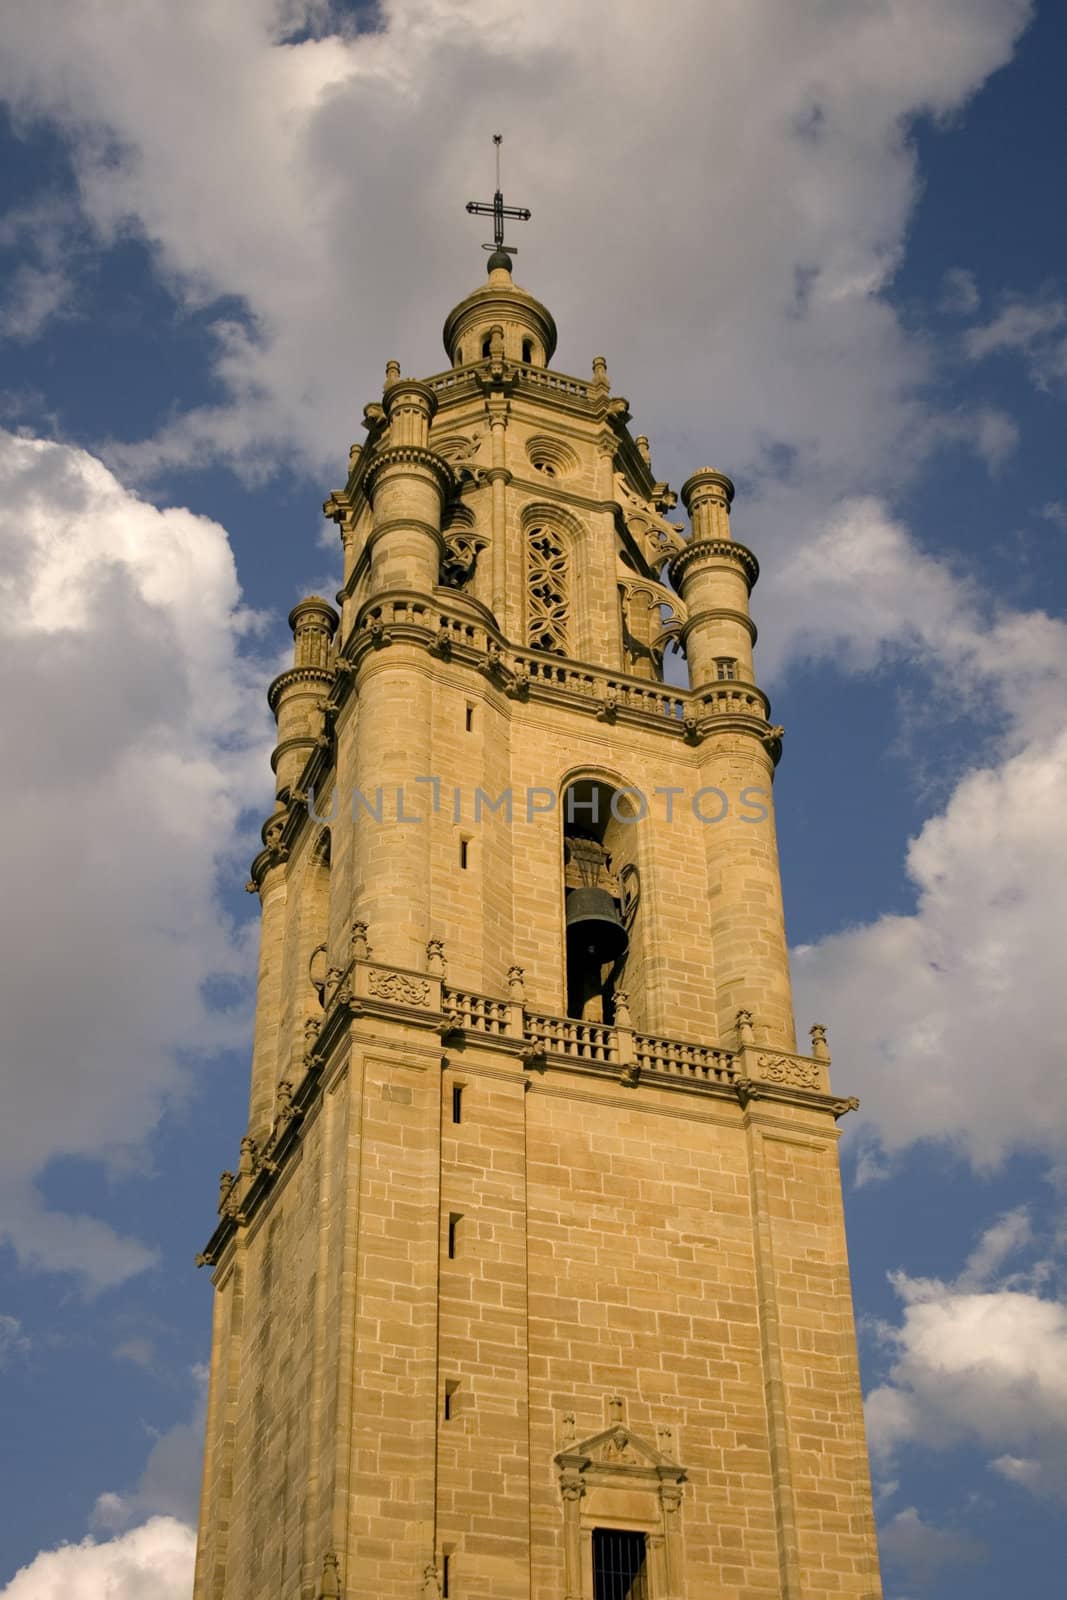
[
  {"x": 779, "y": 347},
  {"x": 922, "y": 1551},
  {"x": 321, "y": 179},
  {"x": 919, "y": 1003},
  {"x": 959, "y": 292},
  {"x": 46, "y": 237},
  {"x": 981, "y": 1365},
  {"x": 140, "y": 1351},
  {"x": 1055, "y": 511},
  {"x": 152, "y": 1562},
  {"x": 170, "y": 1482},
  {"x": 1035, "y": 328},
  {"x": 13, "y": 1342},
  {"x": 136, "y": 734}
]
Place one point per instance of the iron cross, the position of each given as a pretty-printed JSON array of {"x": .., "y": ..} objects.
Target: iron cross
[{"x": 498, "y": 210}]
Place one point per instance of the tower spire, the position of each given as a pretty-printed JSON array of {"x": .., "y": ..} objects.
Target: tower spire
[{"x": 498, "y": 211}]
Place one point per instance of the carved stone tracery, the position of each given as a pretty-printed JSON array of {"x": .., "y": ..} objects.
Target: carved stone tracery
[{"x": 547, "y": 590}]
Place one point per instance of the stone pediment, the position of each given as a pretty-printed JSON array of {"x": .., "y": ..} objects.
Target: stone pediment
[{"x": 618, "y": 1451}]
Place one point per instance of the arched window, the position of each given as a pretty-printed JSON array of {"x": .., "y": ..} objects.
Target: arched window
[
  {"x": 601, "y": 889},
  {"x": 487, "y": 344},
  {"x": 547, "y": 585},
  {"x": 527, "y": 350}
]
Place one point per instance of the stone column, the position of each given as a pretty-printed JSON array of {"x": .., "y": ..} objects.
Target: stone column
[
  {"x": 750, "y": 957},
  {"x": 407, "y": 485},
  {"x": 714, "y": 575},
  {"x": 295, "y": 696},
  {"x": 499, "y": 478}
]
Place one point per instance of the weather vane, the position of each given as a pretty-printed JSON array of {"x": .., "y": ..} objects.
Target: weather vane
[{"x": 498, "y": 210}]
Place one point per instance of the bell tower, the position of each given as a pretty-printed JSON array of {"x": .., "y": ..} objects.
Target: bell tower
[{"x": 530, "y": 1279}]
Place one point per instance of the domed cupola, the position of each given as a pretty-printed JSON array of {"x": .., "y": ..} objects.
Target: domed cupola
[{"x": 528, "y": 327}]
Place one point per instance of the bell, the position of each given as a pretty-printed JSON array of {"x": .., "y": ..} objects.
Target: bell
[{"x": 594, "y": 928}]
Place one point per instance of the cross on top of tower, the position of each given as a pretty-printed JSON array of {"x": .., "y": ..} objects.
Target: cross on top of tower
[{"x": 498, "y": 211}]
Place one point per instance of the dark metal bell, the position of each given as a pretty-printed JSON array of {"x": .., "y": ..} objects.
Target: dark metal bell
[{"x": 594, "y": 928}]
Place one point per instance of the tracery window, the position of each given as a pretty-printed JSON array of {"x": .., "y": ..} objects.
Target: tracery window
[{"x": 547, "y": 583}]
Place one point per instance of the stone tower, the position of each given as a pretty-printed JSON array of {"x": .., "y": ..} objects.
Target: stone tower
[{"x": 531, "y": 1282}]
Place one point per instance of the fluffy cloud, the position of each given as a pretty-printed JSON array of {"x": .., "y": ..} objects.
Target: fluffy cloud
[
  {"x": 919, "y": 1003},
  {"x": 795, "y": 180},
  {"x": 982, "y": 1360},
  {"x": 137, "y": 734},
  {"x": 152, "y": 1562},
  {"x": 959, "y": 292},
  {"x": 13, "y": 1342},
  {"x": 1034, "y": 328},
  {"x": 922, "y": 1551},
  {"x": 170, "y": 1483},
  {"x": 784, "y": 194}
]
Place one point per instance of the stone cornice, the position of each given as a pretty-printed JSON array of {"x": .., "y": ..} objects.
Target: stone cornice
[
  {"x": 409, "y": 456},
  {"x": 624, "y": 1060},
  {"x": 294, "y": 675},
  {"x": 711, "y": 550}
]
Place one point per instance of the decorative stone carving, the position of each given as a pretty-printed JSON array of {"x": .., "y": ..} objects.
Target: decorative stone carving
[
  {"x": 435, "y": 958},
  {"x": 745, "y": 1034},
  {"x": 318, "y": 972},
  {"x": 431, "y": 1585},
  {"x": 462, "y": 550},
  {"x": 330, "y": 1585},
  {"x": 571, "y": 1486},
  {"x": 283, "y": 1103},
  {"x": 517, "y": 983},
  {"x": 617, "y": 1458},
  {"x": 797, "y": 1074},
  {"x": 547, "y": 591},
  {"x": 360, "y": 947},
  {"x": 819, "y": 1046},
  {"x": 399, "y": 988},
  {"x": 534, "y": 1058}
]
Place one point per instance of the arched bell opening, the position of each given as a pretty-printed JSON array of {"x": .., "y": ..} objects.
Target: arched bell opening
[{"x": 600, "y": 882}]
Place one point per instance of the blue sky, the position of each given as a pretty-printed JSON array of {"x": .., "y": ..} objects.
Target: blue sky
[{"x": 821, "y": 246}]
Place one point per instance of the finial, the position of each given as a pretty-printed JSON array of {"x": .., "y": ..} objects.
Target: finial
[{"x": 501, "y": 252}]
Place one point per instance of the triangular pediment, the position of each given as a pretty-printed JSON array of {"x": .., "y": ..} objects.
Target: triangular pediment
[{"x": 618, "y": 1449}]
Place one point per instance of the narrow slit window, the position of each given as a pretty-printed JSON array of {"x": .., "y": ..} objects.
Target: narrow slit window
[
  {"x": 451, "y": 1385},
  {"x": 446, "y": 1576},
  {"x": 464, "y": 853},
  {"x": 454, "y": 1220},
  {"x": 527, "y": 350},
  {"x": 469, "y": 718},
  {"x": 457, "y": 1102},
  {"x": 619, "y": 1566}
]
